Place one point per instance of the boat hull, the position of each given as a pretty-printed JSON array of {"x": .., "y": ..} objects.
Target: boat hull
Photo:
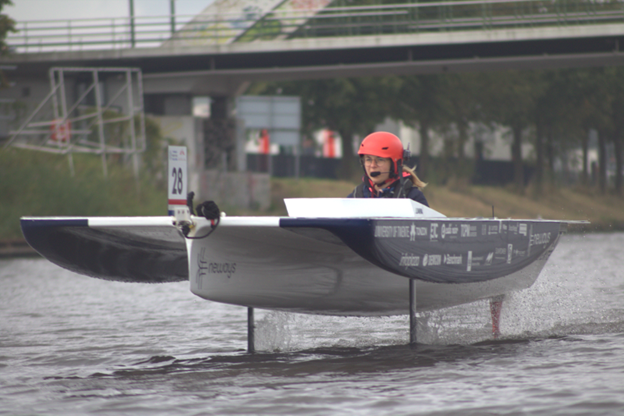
[
  {"x": 333, "y": 266},
  {"x": 362, "y": 267}
]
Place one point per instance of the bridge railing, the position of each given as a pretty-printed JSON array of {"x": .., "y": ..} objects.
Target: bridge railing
[{"x": 383, "y": 18}]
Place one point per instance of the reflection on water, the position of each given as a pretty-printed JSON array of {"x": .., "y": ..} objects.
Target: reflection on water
[{"x": 70, "y": 344}]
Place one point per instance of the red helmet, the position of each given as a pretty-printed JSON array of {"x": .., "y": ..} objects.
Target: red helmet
[{"x": 383, "y": 144}]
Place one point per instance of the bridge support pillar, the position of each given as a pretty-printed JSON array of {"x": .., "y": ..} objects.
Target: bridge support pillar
[{"x": 220, "y": 136}]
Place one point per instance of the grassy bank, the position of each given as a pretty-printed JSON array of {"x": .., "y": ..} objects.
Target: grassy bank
[
  {"x": 605, "y": 212},
  {"x": 40, "y": 184}
]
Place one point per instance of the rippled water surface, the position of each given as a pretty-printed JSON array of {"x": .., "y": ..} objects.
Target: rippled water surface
[{"x": 72, "y": 345}]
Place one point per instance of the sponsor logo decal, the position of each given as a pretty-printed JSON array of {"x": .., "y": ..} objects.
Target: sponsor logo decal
[
  {"x": 392, "y": 231},
  {"x": 476, "y": 261},
  {"x": 472, "y": 260},
  {"x": 177, "y": 155},
  {"x": 522, "y": 229},
  {"x": 539, "y": 239},
  {"x": 519, "y": 253},
  {"x": 484, "y": 229},
  {"x": 435, "y": 259},
  {"x": 509, "y": 253},
  {"x": 452, "y": 259},
  {"x": 451, "y": 230},
  {"x": 222, "y": 268},
  {"x": 401, "y": 232},
  {"x": 204, "y": 268},
  {"x": 409, "y": 260},
  {"x": 517, "y": 228},
  {"x": 500, "y": 253},
  {"x": 433, "y": 234},
  {"x": 201, "y": 269},
  {"x": 432, "y": 260},
  {"x": 383, "y": 231},
  {"x": 493, "y": 229},
  {"x": 488, "y": 259},
  {"x": 418, "y": 211},
  {"x": 417, "y": 231},
  {"x": 468, "y": 230}
]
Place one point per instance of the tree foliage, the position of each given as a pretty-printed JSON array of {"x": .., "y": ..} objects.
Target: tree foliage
[
  {"x": 6, "y": 25},
  {"x": 552, "y": 110}
]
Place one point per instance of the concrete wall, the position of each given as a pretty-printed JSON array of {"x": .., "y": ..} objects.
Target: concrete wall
[{"x": 236, "y": 189}]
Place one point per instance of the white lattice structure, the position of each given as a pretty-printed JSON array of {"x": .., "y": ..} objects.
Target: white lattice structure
[{"x": 88, "y": 110}]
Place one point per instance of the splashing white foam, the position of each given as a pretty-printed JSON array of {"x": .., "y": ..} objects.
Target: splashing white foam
[
  {"x": 273, "y": 332},
  {"x": 573, "y": 294}
]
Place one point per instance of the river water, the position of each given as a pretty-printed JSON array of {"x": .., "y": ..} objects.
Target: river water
[{"x": 73, "y": 345}]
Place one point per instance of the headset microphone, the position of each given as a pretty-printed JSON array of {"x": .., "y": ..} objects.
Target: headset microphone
[{"x": 375, "y": 174}]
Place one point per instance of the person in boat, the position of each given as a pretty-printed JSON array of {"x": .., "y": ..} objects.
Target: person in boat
[{"x": 382, "y": 156}]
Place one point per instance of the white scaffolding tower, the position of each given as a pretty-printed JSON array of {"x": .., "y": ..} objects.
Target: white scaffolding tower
[{"x": 88, "y": 123}]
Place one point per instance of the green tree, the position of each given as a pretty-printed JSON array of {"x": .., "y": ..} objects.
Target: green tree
[
  {"x": 420, "y": 104},
  {"x": 609, "y": 104},
  {"x": 510, "y": 100},
  {"x": 595, "y": 107},
  {"x": 564, "y": 101},
  {"x": 461, "y": 103},
  {"x": 617, "y": 111},
  {"x": 6, "y": 25},
  {"x": 556, "y": 123}
]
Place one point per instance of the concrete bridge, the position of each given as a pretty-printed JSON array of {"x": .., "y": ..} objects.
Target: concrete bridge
[{"x": 217, "y": 55}]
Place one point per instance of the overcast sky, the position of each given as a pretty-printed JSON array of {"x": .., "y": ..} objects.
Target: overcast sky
[{"x": 24, "y": 10}]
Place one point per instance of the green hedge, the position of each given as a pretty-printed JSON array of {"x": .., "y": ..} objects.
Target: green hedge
[{"x": 39, "y": 184}]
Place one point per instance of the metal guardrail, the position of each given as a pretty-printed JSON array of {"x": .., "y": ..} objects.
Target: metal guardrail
[{"x": 334, "y": 20}]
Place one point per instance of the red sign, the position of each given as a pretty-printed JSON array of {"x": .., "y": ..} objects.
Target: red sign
[
  {"x": 329, "y": 144},
  {"x": 265, "y": 142},
  {"x": 61, "y": 130}
]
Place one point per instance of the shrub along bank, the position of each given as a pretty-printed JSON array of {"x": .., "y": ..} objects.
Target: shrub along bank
[{"x": 40, "y": 184}]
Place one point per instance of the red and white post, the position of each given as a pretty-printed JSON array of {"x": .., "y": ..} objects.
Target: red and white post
[{"x": 177, "y": 168}]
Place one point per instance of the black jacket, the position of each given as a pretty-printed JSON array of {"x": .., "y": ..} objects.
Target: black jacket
[{"x": 365, "y": 190}]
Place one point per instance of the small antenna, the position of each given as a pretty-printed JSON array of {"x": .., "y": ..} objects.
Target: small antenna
[
  {"x": 493, "y": 216},
  {"x": 407, "y": 153}
]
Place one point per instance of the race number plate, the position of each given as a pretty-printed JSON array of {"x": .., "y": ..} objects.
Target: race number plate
[{"x": 177, "y": 173}]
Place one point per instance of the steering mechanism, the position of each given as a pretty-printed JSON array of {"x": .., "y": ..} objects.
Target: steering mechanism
[{"x": 207, "y": 209}]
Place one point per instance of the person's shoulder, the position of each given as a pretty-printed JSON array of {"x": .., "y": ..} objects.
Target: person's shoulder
[
  {"x": 357, "y": 190},
  {"x": 417, "y": 195}
]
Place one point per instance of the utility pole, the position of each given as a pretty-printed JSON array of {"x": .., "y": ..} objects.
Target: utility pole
[{"x": 132, "y": 39}]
